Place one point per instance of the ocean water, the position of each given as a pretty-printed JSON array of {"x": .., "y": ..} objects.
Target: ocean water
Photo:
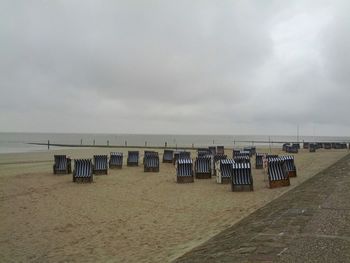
[{"x": 18, "y": 142}]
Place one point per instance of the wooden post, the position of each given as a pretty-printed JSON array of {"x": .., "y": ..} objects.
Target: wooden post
[
  {"x": 107, "y": 142},
  {"x": 94, "y": 142},
  {"x": 165, "y": 144},
  {"x": 126, "y": 143},
  {"x": 81, "y": 141},
  {"x": 48, "y": 144}
]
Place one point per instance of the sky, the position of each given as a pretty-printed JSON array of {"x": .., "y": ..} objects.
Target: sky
[{"x": 175, "y": 67}]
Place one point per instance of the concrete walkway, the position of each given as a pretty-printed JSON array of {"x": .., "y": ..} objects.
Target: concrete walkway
[{"x": 310, "y": 223}]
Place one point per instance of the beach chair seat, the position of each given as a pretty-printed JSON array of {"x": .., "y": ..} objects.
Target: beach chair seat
[
  {"x": 116, "y": 160},
  {"x": 151, "y": 162},
  {"x": 241, "y": 178},
  {"x": 184, "y": 171},
  {"x": 168, "y": 156},
  {"x": 290, "y": 165},
  {"x": 83, "y": 170},
  {"x": 203, "y": 167},
  {"x": 100, "y": 164},
  {"x": 133, "y": 158},
  {"x": 224, "y": 171},
  {"x": 62, "y": 165},
  {"x": 277, "y": 173}
]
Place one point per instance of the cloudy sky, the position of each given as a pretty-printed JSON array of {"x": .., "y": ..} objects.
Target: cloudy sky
[{"x": 197, "y": 67}]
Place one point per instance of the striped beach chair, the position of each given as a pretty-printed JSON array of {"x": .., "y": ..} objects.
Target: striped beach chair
[
  {"x": 251, "y": 150},
  {"x": 290, "y": 165},
  {"x": 277, "y": 173},
  {"x": 62, "y": 165},
  {"x": 241, "y": 179},
  {"x": 259, "y": 162},
  {"x": 133, "y": 158},
  {"x": 151, "y": 162},
  {"x": 235, "y": 153},
  {"x": 83, "y": 169},
  {"x": 224, "y": 171},
  {"x": 116, "y": 160},
  {"x": 202, "y": 167},
  {"x": 184, "y": 171},
  {"x": 100, "y": 164},
  {"x": 168, "y": 156},
  {"x": 242, "y": 159}
]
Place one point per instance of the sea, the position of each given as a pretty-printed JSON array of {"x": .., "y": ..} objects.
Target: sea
[{"x": 20, "y": 142}]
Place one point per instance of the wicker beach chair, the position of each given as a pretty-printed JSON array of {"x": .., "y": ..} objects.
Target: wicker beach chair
[
  {"x": 202, "y": 167},
  {"x": 290, "y": 165},
  {"x": 241, "y": 179},
  {"x": 83, "y": 169},
  {"x": 277, "y": 173},
  {"x": 224, "y": 171},
  {"x": 306, "y": 145},
  {"x": 133, "y": 158},
  {"x": 100, "y": 164},
  {"x": 116, "y": 160},
  {"x": 62, "y": 165},
  {"x": 184, "y": 171},
  {"x": 312, "y": 147},
  {"x": 242, "y": 159},
  {"x": 292, "y": 149},
  {"x": 151, "y": 162},
  {"x": 168, "y": 156}
]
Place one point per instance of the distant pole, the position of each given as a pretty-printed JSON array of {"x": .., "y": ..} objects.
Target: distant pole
[
  {"x": 298, "y": 133},
  {"x": 48, "y": 144},
  {"x": 270, "y": 143},
  {"x": 94, "y": 142},
  {"x": 126, "y": 143},
  {"x": 213, "y": 142},
  {"x": 192, "y": 145},
  {"x": 81, "y": 141},
  {"x": 165, "y": 144},
  {"x": 145, "y": 143},
  {"x": 107, "y": 142}
]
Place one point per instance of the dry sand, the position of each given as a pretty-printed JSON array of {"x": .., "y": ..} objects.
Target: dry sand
[{"x": 126, "y": 216}]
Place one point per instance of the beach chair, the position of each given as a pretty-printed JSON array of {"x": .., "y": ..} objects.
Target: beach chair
[
  {"x": 242, "y": 159},
  {"x": 202, "y": 152},
  {"x": 312, "y": 148},
  {"x": 212, "y": 150},
  {"x": 184, "y": 171},
  {"x": 250, "y": 150},
  {"x": 220, "y": 150},
  {"x": 242, "y": 154},
  {"x": 151, "y": 162},
  {"x": 83, "y": 169},
  {"x": 62, "y": 165},
  {"x": 185, "y": 155},
  {"x": 133, "y": 158},
  {"x": 100, "y": 164},
  {"x": 168, "y": 156},
  {"x": 116, "y": 160},
  {"x": 202, "y": 167},
  {"x": 284, "y": 146},
  {"x": 327, "y": 146},
  {"x": 235, "y": 153},
  {"x": 259, "y": 163},
  {"x": 292, "y": 149},
  {"x": 241, "y": 178},
  {"x": 277, "y": 173},
  {"x": 306, "y": 145},
  {"x": 224, "y": 171},
  {"x": 296, "y": 145},
  {"x": 290, "y": 165}
]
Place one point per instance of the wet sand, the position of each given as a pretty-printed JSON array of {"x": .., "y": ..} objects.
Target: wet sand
[{"x": 127, "y": 215}]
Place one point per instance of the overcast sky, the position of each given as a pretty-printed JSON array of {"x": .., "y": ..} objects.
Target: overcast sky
[{"x": 198, "y": 67}]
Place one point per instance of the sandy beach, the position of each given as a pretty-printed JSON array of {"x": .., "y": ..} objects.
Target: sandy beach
[{"x": 126, "y": 216}]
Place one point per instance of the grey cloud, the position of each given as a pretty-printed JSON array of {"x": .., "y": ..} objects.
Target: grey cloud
[{"x": 184, "y": 66}]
